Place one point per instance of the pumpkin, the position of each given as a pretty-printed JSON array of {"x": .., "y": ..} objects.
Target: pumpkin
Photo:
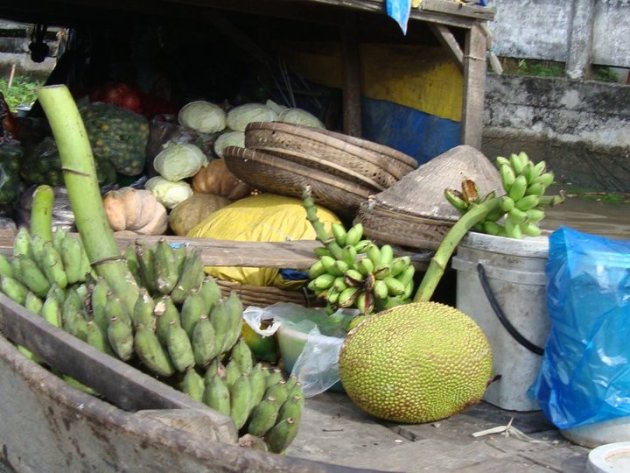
[
  {"x": 136, "y": 210},
  {"x": 194, "y": 210},
  {"x": 216, "y": 178}
]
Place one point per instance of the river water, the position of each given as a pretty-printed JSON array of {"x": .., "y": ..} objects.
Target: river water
[{"x": 599, "y": 217}]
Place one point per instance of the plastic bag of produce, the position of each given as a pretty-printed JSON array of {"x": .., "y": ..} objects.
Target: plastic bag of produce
[
  {"x": 262, "y": 218},
  {"x": 585, "y": 373}
]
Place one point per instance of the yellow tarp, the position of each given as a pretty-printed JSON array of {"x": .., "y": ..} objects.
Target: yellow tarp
[
  {"x": 421, "y": 77},
  {"x": 260, "y": 218}
]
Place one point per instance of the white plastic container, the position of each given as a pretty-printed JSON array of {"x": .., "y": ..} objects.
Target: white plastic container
[
  {"x": 515, "y": 272},
  {"x": 609, "y": 458},
  {"x": 600, "y": 433}
]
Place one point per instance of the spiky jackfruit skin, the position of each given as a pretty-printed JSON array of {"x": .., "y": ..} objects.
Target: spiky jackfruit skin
[{"x": 416, "y": 363}]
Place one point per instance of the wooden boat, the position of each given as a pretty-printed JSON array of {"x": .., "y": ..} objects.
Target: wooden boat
[{"x": 135, "y": 424}]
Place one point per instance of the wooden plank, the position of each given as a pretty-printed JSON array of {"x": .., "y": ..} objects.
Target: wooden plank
[
  {"x": 450, "y": 7},
  {"x": 474, "y": 87},
  {"x": 446, "y": 37},
  {"x": 352, "y": 76},
  {"x": 118, "y": 382}
]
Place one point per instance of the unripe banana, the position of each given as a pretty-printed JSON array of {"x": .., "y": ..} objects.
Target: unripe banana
[
  {"x": 114, "y": 307},
  {"x": 365, "y": 266},
  {"x": 536, "y": 189},
  {"x": 120, "y": 338},
  {"x": 14, "y": 289},
  {"x": 349, "y": 255},
  {"x": 517, "y": 163},
  {"x": 516, "y": 216},
  {"x": 274, "y": 376},
  {"x": 545, "y": 179},
  {"x": 242, "y": 356},
  {"x": 232, "y": 373},
  {"x": 278, "y": 391},
  {"x": 500, "y": 160},
  {"x": 354, "y": 234},
  {"x": 394, "y": 286},
  {"x": 340, "y": 284},
  {"x": 506, "y": 203},
  {"x": 535, "y": 215},
  {"x": 528, "y": 172},
  {"x": 399, "y": 264},
  {"x": 193, "y": 385},
  {"x": 165, "y": 312},
  {"x": 98, "y": 303},
  {"x": 374, "y": 253},
  {"x": 52, "y": 265},
  {"x": 145, "y": 258},
  {"x": 329, "y": 265},
  {"x": 33, "y": 303},
  {"x": 507, "y": 176},
  {"x": 530, "y": 229},
  {"x": 281, "y": 435},
  {"x": 179, "y": 347},
  {"x": 456, "y": 199},
  {"x": 151, "y": 352},
  {"x": 407, "y": 275},
  {"x": 211, "y": 293},
  {"x": 387, "y": 255},
  {"x": 240, "y": 400},
  {"x": 192, "y": 310},
  {"x": 518, "y": 189},
  {"x": 339, "y": 233},
  {"x": 204, "y": 342},
  {"x": 291, "y": 409},
  {"x": 264, "y": 416},
  {"x": 71, "y": 252},
  {"x": 362, "y": 245},
  {"x": 527, "y": 202},
  {"x": 221, "y": 323},
  {"x": 380, "y": 290},
  {"x": 323, "y": 282},
  {"x": 539, "y": 169},
  {"x": 258, "y": 383},
  {"x": 165, "y": 267},
  {"x": 316, "y": 269},
  {"x": 22, "y": 243},
  {"x": 5, "y": 266},
  {"x": 51, "y": 311},
  {"x": 321, "y": 251},
  {"x": 28, "y": 273},
  {"x": 348, "y": 296},
  {"x": 365, "y": 302},
  {"x": 191, "y": 277},
  {"x": 97, "y": 338},
  {"x": 353, "y": 277},
  {"x": 341, "y": 266},
  {"x": 331, "y": 295},
  {"x": 234, "y": 308},
  {"x": 132, "y": 263},
  {"x": 217, "y": 395},
  {"x": 492, "y": 228},
  {"x": 513, "y": 230},
  {"x": 143, "y": 310}
]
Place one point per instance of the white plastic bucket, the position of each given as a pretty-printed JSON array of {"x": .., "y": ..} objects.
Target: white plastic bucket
[{"x": 515, "y": 274}]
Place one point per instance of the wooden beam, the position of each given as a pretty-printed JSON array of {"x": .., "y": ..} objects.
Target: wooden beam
[
  {"x": 446, "y": 37},
  {"x": 352, "y": 76},
  {"x": 474, "y": 86}
]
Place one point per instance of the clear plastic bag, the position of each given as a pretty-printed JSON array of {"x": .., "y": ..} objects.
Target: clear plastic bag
[
  {"x": 316, "y": 365},
  {"x": 585, "y": 372}
]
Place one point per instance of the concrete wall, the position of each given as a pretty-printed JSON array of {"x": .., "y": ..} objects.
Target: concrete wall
[
  {"x": 544, "y": 29},
  {"x": 581, "y": 128}
]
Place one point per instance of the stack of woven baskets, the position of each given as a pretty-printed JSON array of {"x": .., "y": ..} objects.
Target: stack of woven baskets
[{"x": 343, "y": 171}]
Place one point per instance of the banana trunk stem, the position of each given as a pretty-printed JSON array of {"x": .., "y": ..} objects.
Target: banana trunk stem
[
  {"x": 447, "y": 247},
  {"x": 79, "y": 171}
]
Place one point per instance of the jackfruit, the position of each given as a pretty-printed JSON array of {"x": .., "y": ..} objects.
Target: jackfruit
[{"x": 416, "y": 363}]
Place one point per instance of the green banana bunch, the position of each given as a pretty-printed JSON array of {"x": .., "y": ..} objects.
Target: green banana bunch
[{"x": 521, "y": 208}]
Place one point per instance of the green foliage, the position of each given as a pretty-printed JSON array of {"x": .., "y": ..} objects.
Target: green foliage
[{"x": 21, "y": 92}]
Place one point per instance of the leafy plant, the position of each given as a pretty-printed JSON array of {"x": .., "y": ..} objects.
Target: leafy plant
[{"x": 21, "y": 92}]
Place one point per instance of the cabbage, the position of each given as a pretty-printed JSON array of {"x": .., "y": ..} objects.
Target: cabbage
[
  {"x": 276, "y": 107},
  {"x": 168, "y": 193},
  {"x": 297, "y": 116},
  {"x": 178, "y": 161},
  {"x": 229, "y": 138},
  {"x": 201, "y": 116},
  {"x": 239, "y": 117}
]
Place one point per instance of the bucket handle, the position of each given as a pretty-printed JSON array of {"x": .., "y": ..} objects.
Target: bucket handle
[{"x": 481, "y": 271}]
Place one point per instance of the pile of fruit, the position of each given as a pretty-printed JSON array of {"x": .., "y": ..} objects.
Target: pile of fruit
[
  {"x": 353, "y": 272},
  {"x": 179, "y": 329}
]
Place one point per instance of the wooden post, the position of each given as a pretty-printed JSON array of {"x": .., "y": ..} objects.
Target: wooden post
[
  {"x": 352, "y": 75},
  {"x": 578, "y": 65},
  {"x": 474, "y": 86}
]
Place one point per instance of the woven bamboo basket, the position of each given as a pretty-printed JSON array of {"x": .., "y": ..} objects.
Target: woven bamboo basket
[
  {"x": 277, "y": 175},
  {"x": 263, "y": 296},
  {"x": 414, "y": 212},
  {"x": 330, "y": 150}
]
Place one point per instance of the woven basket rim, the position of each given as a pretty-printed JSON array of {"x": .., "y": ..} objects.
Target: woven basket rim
[
  {"x": 273, "y": 161},
  {"x": 356, "y": 145},
  {"x": 269, "y": 293},
  {"x": 350, "y": 174}
]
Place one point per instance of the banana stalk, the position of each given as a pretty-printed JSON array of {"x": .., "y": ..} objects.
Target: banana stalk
[
  {"x": 475, "y": 215},
  {"x": 79, "y": 171}
]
